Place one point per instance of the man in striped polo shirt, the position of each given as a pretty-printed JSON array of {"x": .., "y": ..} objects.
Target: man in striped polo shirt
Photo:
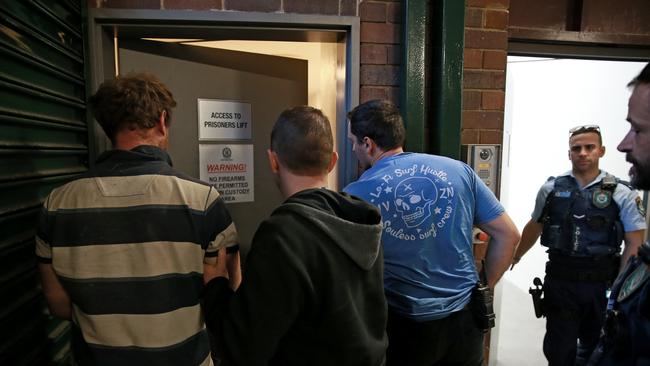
[{"x": 122, "y": 249}]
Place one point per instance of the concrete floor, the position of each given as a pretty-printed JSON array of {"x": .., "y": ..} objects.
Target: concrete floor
[{"x": 520, "y": 332}]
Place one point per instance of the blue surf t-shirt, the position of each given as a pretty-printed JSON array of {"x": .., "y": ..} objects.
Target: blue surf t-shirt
[{"x": 429, "y": 205}]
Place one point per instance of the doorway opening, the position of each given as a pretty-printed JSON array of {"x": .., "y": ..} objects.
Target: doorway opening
[
  {"x": 545, "y": 97},
  {"x": 268, "y": 62}
]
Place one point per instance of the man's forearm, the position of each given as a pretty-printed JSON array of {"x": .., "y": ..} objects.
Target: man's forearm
[
  {"x": 503, "y": 240},
  {"x": 233, "y": 264},
  {"x": 55, "y": 295},
  {"x": 529, "y": 236},
  {"x": 633, "y": 241},
  {"x": 499, "y": 257}
]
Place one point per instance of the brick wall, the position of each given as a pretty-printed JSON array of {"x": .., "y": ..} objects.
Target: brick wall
[
  {"x": 380, "y": 54},
  {"x": 486, "y": 41},
  {"x": 486, "y": 44},
  {"x": 484, "y": 83},
  {"x": 324, "y": 7},
  {"x": 381, "y": 20}
]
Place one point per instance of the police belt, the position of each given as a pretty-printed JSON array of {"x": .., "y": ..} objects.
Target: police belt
[{"x": 582, "y": 269}]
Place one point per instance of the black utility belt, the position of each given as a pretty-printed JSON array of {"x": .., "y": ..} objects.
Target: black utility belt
[
  {"x": 569, "y": 260},
  {"x": 595, "y": 274}
]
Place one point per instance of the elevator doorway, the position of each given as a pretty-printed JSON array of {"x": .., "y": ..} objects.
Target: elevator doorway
[{"x": 269, "y": 64}]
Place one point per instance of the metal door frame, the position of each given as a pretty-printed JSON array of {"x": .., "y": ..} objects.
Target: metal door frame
[{"x": 107, "y": 25}]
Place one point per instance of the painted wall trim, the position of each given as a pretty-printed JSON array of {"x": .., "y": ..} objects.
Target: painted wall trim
[
  {"x": 412, "y": 88},
  {"x": 448, "y": 39},
  {"x": 238, "y": 18},
  {"x": 342, "y": 27}
]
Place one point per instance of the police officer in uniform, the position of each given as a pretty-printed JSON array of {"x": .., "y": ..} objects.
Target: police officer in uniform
[
  {"x": 582, "y": 216},
  {"x": 626, "y": 335}
]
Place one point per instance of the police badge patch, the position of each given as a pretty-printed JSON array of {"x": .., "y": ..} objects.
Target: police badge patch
[
  {"x": 601, "y": 198},
  {"x": 639, "y": 206},
  {"x": 633, "y": 281}
]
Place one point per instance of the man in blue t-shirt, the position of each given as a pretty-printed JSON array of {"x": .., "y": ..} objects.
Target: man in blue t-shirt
[{"x": 429, "y": 205}]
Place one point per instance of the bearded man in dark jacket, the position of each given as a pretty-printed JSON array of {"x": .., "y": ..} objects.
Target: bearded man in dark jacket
[{"x": 312, "y": 292}]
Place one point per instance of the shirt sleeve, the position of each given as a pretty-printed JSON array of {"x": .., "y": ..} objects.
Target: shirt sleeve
[
  {"x": 220, "y": 229},
  {"x": 353, "y": 189},
  {"x": 265, "y": 306},
  {"x": 630, "y": 207},
  {"x": 540, "y": 201}
]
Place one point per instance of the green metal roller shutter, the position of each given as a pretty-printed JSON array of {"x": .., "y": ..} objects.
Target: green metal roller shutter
[{"x": 43, "y": 144}]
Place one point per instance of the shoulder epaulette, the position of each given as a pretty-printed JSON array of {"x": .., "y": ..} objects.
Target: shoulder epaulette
[{"x": 625, "y": 183}]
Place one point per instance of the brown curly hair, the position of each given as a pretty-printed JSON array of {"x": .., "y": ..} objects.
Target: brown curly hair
[{"x": 134, "y": 101}]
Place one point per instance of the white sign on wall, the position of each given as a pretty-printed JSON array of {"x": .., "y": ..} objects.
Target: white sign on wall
[
  {"x": 230, "y": 169},
  {"x": 224, "y": 120}
]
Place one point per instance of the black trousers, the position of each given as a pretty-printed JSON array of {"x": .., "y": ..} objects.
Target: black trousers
[
  {"x": 575, "y": 313},
  {"x": 454, "y": 340}
]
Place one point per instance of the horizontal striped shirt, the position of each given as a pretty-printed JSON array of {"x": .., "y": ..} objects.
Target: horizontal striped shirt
[{"x": 128, "y": 240}]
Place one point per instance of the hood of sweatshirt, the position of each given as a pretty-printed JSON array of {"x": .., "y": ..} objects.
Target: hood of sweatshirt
[{"x": 354, "y": 225}]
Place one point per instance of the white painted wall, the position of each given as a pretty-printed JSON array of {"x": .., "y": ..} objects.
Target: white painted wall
[{"x": 544, "y": 99}]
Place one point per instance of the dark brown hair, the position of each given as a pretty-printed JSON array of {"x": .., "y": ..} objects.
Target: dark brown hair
[
  {"x": 579, "y": 130},
  {"x": 302, "y": 139},
  {"x": 379, "y": 120},
  {"x": 134, "y": 101}
]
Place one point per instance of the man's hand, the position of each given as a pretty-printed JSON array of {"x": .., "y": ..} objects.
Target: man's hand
[
  {"x": 529, "y": 236},
  {"x": 515, "y": 260},
  {"x": 216, "y": 268}
]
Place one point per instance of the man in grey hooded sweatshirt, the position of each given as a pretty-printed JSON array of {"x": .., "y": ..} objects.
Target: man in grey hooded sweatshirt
[{"x": 312, "y": 292}]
